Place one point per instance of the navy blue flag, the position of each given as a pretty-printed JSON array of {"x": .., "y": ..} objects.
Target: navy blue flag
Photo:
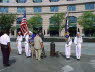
[
  {"x": 67, "y": 24},
  {"x": 24, "y": 16}
]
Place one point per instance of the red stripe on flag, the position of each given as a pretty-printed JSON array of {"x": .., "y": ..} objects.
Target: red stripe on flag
[{"x": 23, "y": 26}]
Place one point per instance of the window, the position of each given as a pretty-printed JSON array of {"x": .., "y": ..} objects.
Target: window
[
  {"x": 21, "y": 1},
  {"x": 37, "y": 1},
  {"x": 72, "y": 19},
  {"x": 4, "y": 9},
  {"x": 53, "y": 0},
  {"x": 18, "y": 20},
  {"x": 89, "y": 6},
  {"x": 4, "y": 1},
  {"x": 37, "y": 9},
  {"x": 71, "y": 8},
  {"x": 54, "y": 8},
  {"x": 21, "y": 9}
]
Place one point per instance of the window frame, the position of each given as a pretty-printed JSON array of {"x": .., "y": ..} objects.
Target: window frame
[
  {"x": 54, "y": 9},
  {"x": 88, "y": 6},
  {"x": 18, "y": 1},
  {"x": 54, "y": 0},
  {"x": 37, "y": 9},
  {"x": 22, "y": 11},
  {"x": 3, "y": 11},
  {"x": 37, "y": 1},
  {"x": 71, "y": 7}
]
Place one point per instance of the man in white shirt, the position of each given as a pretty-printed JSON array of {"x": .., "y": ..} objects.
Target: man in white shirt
[
  {"x": 38, "y": 45},
  {"x": 5, "y": 48},
  {"x": 19, "y": 40},
  {"x": 78, "y": 40}
]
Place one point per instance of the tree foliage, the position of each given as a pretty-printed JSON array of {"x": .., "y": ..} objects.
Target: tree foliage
[
  {"x": 56, "y": 21},
  {"x": 87, "y": 20},
  {"x": 35, "y": 22},
  {"x": 6, "y": 21}
]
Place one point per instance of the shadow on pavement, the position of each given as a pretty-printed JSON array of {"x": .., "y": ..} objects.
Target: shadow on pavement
[{"x": 12, "y": 61}]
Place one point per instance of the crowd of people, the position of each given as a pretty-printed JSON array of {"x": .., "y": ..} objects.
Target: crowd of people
[
  {"x": 33, "y": 44},
  {"x": 34, "y": 47}
]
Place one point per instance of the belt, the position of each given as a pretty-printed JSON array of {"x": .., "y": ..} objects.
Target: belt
[{"x": 4, "y": 46}]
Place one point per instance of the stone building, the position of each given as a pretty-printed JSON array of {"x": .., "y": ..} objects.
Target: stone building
[{"x": 46, "y": 8}]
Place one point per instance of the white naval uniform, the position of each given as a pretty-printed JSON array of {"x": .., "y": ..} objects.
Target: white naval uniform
[
  {"x": 19, "y": 46},
  {"x": 78, "y": 41},
  {"x": 68, "y": 48},
  {"x": 27, "y": 48}
]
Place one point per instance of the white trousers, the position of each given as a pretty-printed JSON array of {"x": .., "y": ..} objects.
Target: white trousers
[
  {"x": 78, "y": 51},
  {"x": 19, "y": 46},
  {"x": 27, "y": 49},
  {"x": 38, "y": 53},
  {"x": 67, "y": 51}
]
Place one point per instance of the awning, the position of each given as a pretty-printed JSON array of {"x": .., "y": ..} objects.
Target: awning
[{"x": 73, "y": 25}]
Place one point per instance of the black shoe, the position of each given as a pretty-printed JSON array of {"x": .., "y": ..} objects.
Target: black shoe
[
  {"x": 78, "y": 59},
  {"x": 6, "y": 65},
  {"x": 19, "y": 54},
  {"x": 28, "y": 57},
  {"x": 67, "y": 58}
]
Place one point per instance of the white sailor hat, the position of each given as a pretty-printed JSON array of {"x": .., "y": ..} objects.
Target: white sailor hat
[
  {"x": 78, "y": 33},
  {"x": 30, "y": 32},
  {"x": 19, "y": 32}
]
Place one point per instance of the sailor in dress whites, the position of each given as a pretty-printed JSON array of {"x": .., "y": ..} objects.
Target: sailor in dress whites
[
  {"x": 68, "y": 47},
  {"x": 27, "y": 47},
  {"x": 19, "y": 45},
  {"x": 78, "y": 40}
]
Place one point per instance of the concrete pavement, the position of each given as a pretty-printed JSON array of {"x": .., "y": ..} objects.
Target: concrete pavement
[{"x": 19, "y": 63}]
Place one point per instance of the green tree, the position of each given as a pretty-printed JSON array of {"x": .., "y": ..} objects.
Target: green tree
[
  {"x": 6, "y": 21},
  {"x": 87, "y": 20},
  {"x": 56, "y": 22},
  {"x": 35, "y": 22}
]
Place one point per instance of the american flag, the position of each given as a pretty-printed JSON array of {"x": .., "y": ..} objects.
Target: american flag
[
  {"x": 23, "y": 25},
  {"x": 67, "y": 24}
]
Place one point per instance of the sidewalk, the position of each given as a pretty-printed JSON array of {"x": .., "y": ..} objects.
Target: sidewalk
[
  {"x": 19, "y": 63},
  {"x": 87, "y": 48}
]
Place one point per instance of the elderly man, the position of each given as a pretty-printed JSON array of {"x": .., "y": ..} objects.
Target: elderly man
[
  {"x": 78, "y": 40},
  {"x": 5, "y": 48},
  {"x": 19, "y": 40},
  {"x": 68, "y": 47},
  {"x": 38, "y": 45}
]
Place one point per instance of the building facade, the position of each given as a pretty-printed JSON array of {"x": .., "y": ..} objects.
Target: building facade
[{"x": 46, "y": 8}]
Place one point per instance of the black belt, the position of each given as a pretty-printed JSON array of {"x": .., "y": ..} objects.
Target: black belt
[{"x": 4, "y": 46}]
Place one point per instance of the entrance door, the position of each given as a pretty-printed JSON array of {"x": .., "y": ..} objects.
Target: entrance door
[{"x": 72, "y": 31}]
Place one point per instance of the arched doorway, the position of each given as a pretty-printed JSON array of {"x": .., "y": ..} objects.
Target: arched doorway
[
  {"x": 72, "y": 26},
  {"x": 18, "y": 20}
]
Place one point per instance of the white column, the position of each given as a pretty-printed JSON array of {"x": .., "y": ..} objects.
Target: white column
[
  {"x": 45, "y": 24},
  {"x": 45, "y": 1},
  {"x": 29, "y": 1},
  {"x": 12, "y": 1},
  {"x": 62, "y": 32},
  {"x": 15, "y": 31}
]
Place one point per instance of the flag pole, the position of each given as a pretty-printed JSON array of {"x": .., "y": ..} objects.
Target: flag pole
[{"x": 67, "y": 24}]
